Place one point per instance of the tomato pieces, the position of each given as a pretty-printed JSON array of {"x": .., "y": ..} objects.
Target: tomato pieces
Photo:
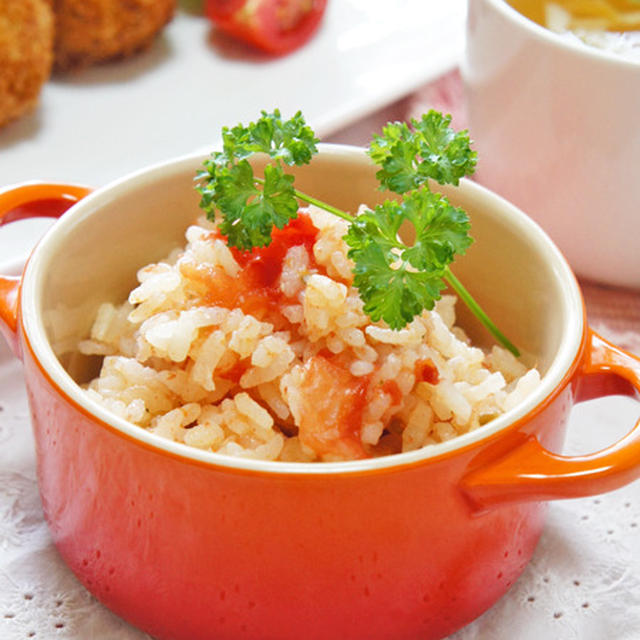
[
  {"x": 255, "y": 289},
  {"x": 426, "y": 371},
  {"x": 263, "y": 265},
  {"x": 274, "y": 26},
  {"x": 332, "y": 406}
]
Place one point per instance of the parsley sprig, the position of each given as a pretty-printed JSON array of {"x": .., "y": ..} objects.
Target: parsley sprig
[
  {"x": 429, "y": 149},
  {"x": 250, "y": 206},
  {"x": 396, "y": 279}
]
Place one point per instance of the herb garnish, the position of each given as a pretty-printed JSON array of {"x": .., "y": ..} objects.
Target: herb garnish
[{"x": 396, "y": 281}]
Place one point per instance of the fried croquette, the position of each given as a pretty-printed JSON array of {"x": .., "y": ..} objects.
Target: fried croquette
[
  {"x": 94, "y": 31},
  {"x": 26, "y": 44}
]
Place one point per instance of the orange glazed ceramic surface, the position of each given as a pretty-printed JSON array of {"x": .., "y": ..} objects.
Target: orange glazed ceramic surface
[{"x": 191, "y": 545}]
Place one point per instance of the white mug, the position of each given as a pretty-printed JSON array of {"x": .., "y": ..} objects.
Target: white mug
[{"x": 557, "y": 127}]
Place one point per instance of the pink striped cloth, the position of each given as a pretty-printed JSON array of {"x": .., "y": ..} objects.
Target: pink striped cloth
[{"x": 612, "y": 311}]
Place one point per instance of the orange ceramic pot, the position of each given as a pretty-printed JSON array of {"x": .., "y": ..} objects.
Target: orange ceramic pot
[{"x": 192, "y": 545}]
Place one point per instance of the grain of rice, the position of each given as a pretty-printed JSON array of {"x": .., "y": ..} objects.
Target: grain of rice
[
  {"x": 353, "y": 337},
  {"x": 348, "y": 319},
  {"x": 294, "y": 313},
  {"x": 477, "y": 392},
  {"x": 361, "y": 368},
  {"x": 411, "y": 335},
  {"x": 390, "y": 368},
  {"x": 377, "y": 406},
  {"x": 270, "y": 393},
  {"x": 504, "y": 361},
  {"x": 206, "y": 359},
  {"x": 524, "y": 386},
  {"x": 260, "y": 375},
  {"x": 371, "y": 431},
  {"x": 269, "y": 350},
  {"x": 405, "y": 381},
  {"x": 444, "y": 431},
  {"x": 295, "y": 268},
  {"x": 225, "y": 259},
  {"x": 247, "y": 406},
  {"x": 335, "y": 344},
  {"x": 159, "y": 283},
  {"x": 418, "y": 427},
  {"x": 204, "y": 436},
  {"x": 366, "y": 353},
  {"x": 244, "y": 339}
]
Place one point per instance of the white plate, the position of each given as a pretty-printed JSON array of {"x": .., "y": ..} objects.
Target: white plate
[{"x": 101, "y": 123}]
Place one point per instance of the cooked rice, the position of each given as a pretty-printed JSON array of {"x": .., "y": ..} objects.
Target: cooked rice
[{"x": 317, "y": 381}]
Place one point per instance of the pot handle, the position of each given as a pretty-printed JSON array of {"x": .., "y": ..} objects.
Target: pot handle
[
  {"x": 530, "y": 472},
  {"x": 19, "y": 202}
]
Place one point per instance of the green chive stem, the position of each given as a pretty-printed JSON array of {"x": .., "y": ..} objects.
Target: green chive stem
[
  {"x": 476, "y": 309},
  {"x": 324, "y": 205},
  {"x": 318, "y": 203}
]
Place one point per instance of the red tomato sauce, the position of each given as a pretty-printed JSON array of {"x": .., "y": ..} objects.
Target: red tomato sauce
[
  {"x": 263, "y": 265},
  {"x": 391, "y": 388},
  {"x": 235, "y": 372},
  {"x": 255, "y": 290},
  {"x": 426, "y": 371}
]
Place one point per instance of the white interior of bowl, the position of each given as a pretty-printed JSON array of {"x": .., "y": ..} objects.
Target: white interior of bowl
[{"x": 92, "y": 254}]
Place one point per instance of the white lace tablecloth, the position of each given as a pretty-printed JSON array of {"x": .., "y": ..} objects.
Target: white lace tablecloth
[{"x": 583, "y": 582}]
